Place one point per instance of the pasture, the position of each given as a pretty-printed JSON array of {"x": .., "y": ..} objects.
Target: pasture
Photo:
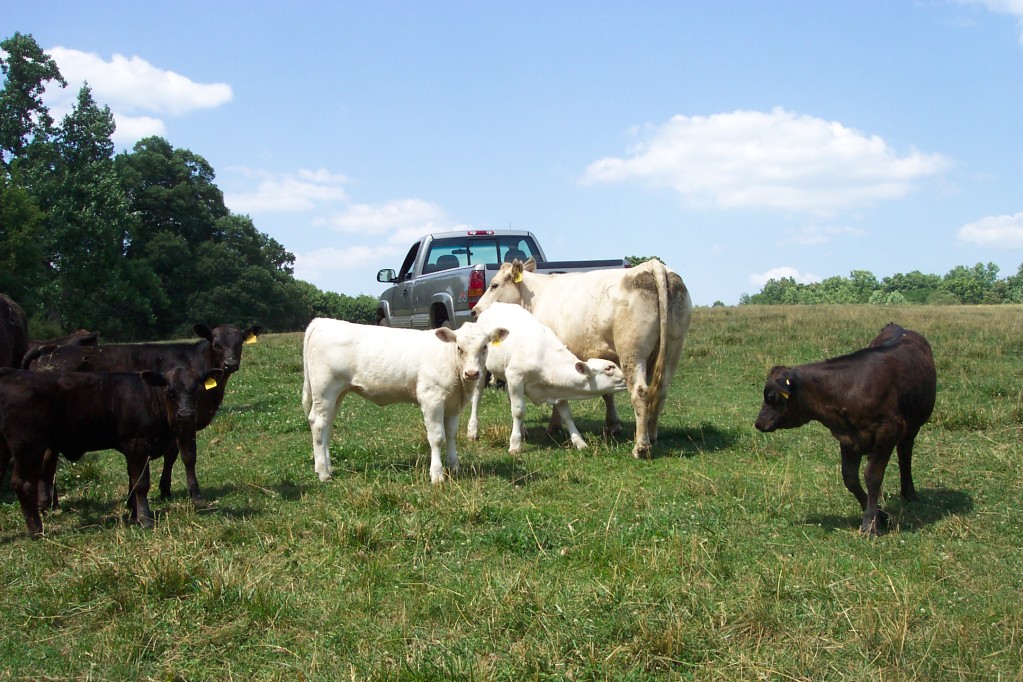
[{"x": 732, "y": 555}]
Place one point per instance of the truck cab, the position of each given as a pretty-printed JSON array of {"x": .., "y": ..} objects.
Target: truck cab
[{"x": 432, "y": 287}]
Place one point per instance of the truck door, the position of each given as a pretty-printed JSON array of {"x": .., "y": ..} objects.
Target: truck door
[{"x": 401, "y": 297}]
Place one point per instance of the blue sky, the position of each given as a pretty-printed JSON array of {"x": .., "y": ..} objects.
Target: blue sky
[{"x": 736, "y": 140}]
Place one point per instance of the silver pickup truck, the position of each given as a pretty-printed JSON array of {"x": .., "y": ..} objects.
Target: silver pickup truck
[{"x": 444, "y": 274}]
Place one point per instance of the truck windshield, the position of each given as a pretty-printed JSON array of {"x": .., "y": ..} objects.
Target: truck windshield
[{"x": 458, "y": 252}]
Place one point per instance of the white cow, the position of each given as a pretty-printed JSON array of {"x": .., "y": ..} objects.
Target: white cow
[
  {"x": 535, "y": 364},
  {"x": 638, "y": 317},
  {"x": 435, "y": 369}
]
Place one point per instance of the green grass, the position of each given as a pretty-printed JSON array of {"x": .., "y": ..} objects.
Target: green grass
[{"x": 732, "y": 555}]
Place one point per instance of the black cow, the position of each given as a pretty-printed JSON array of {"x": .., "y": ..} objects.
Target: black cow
[
  {"x": 13, "y": 333},
  {"x": 872, "y": 401},
  {"x": 81, "y": 337},
  {"x": 219, "y": 348},
  {"x": 144, "y": 415}
]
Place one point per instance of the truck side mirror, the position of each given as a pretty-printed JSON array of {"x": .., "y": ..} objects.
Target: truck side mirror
[{"x": 386, "y": 275}]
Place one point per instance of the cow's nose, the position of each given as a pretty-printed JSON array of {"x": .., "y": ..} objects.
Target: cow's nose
[{"x": 472, "y": 374}]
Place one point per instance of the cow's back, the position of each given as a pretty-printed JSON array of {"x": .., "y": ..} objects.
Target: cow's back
[
  {"x": 125, "y": 357},
  {"x": 916, "y": 375},
  {"x": 80, "y": 412},
  {"x": 593, "y": 312},
  {"x": 383, "y": 364},
  {"x": 13, "y": 333}
]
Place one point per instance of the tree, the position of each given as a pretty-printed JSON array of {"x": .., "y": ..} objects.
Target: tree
[
  {"x": 23, "y": 116},
  {"x": 89, "y": 222},
  {"x": 971, "y": 285}
]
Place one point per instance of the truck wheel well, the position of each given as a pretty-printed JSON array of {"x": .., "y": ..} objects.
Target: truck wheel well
[{"x": 439, "y": 316}]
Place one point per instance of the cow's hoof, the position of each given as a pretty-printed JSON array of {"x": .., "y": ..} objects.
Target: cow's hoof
[
  {"x": 642, "y": 452},
  {"x": 324, "y": 476}
]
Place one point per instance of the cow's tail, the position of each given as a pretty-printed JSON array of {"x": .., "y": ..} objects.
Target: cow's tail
[
  {"x": 307, "y": 390},
  {"x": 657, "y": 376}
]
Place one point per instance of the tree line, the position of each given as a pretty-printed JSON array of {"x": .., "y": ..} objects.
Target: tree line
[
  {"x": 137, "y": 245},
  {"x": 959, "y": 286}
]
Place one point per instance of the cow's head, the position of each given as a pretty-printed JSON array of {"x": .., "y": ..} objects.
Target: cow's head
[
  {"x": 182, "y": 387},
  {"x": 781, "y": 405},
  {"x": 604, "y": 376},
  {"x": 471, "y": 344},
  {"x": 226, "y": 343},
  {"x": 506, "y": 286}
]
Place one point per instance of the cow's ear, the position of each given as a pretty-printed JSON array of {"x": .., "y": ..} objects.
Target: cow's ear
[
  {"x": 581, "y": 367},
  {"x": 154, "y": 378},
  {"x": 787, "y": 384},
  {"x": 610, "y": 368},
  {"x": 529, "y": 265},
  {"x": 445, "y": 335},
  {"x": 498, "y": 335},
  {"x": 516, "y": 270},
  {"x": 211, "y": 378},
  {"x": 202, "y": 331}
]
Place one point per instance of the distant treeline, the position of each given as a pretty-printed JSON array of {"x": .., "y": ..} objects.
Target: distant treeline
[
  {"x": 961, "y": 285},
  {"x": 137, "y": 245}
]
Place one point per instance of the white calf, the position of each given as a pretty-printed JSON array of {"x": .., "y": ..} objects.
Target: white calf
[
  {"x": 537, "y": 365},
  {"x": 435, "y": 369}
]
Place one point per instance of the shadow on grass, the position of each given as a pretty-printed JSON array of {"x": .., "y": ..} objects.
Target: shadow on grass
[{"x": 931, "y": 506}]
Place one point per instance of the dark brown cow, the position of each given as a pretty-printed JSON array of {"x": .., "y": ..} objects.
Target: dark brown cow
[
  {"x": 218, "y": 348},
  {"x": 872, "y": 401},
  {"x": 81, "y": 337},
  {"x": 13, "y": 333},
  {"x": 144, "y": 415}
]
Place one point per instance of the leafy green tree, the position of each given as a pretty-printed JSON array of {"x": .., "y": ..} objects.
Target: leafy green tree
[
  {"x": 971, "y": 286},
  {"x": 24, "y": 119},
  {"x": 89, "y": 222},
  {"x": 22, "y": 257},
  {"x": 914, "y": 286}
]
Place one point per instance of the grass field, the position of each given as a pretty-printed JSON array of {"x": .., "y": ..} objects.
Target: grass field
[{"x": 733, "y": 555}]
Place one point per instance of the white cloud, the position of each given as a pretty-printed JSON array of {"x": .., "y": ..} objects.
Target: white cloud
[
  {"x": 1012, "y": 7},
  {"x": 320, "y": 265},
  {"x": 1000, "y": 231},
  {"x": 774, "y": 160},
  {"x": 785, "y": 271},
  {"x": 286, "y": 193},
  {"x": 138, "y": 93},
  {"x": 399, "y": 218},
  {"x": 812, "y": 235},
  {"x": 133, "y": 84}
]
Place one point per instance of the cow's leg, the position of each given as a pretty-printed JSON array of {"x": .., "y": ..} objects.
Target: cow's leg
[
  {"x": 48, "y": 481},
  {"x": 851, "y": 475},
  {"x": 433, "y": 419},
  {"x": 566, "y": 416},
  {"x": 165, "y": 475},
  {"x": 138, "y": 489},
  {"x": 321, "y": 420},
  {"x": 25, "y": 482},
  {"x": 612, "y": 425},
  {"x": 636, "y": 378},
  {"x": 873, "y": 476},
  {"x": 186, "y": 444},
  {"x": 450, "y": 437},
  {"x": 658, "y": 394},
  {"x": 477, "y": 395},
  {"x": 517, "y": 397},
  {"x": 554, "y": 425},
  {"x": 905, "y": 449}
]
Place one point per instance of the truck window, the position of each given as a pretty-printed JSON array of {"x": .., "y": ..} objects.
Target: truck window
[
  {"x": 406, "y": 267},
  {"x": 462, "y": 251}
]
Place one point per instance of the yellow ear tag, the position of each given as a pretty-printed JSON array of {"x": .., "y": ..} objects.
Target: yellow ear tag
[
  {"x": 252, "y": 339},
  {"x": 211, "y": 383},
  {"x": 518, "y": 278},
  {"x": 785, "y": 394},
  {"x": 495, "y": 342}
]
